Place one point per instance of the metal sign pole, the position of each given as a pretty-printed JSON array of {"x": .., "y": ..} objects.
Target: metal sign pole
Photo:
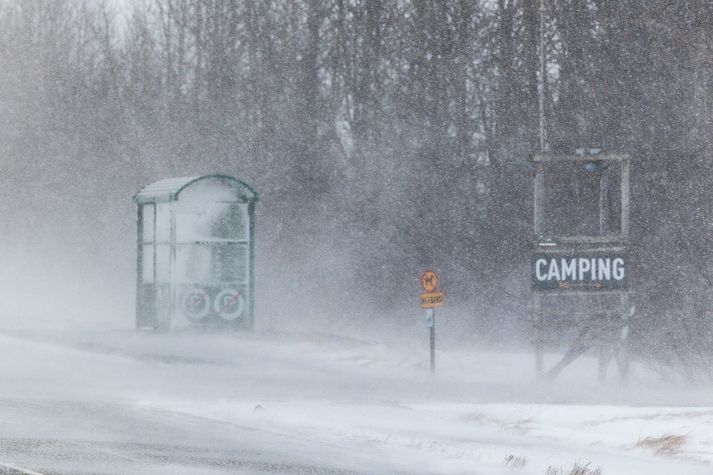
[{"x": 433, "y": 343}]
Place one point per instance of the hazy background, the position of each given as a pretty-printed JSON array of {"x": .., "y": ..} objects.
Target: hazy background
[{"x": 383, "y": 136}]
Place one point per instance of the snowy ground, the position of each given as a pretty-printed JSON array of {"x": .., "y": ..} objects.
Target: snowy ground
[{"x": 123, "y": 402}]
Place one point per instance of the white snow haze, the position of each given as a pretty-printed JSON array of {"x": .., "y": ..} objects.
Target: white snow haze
[{"x": 384, "y": 139}]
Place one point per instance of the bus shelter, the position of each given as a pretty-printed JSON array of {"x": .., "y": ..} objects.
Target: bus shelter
[{"x": 195, "y": 253}]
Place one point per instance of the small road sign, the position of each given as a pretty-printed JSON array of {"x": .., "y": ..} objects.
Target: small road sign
[
  {"x": 195, "y": 303},
  {"x": 429, "y": 281},
  {"x": 428, "y": 318},
  {"x": 433, "y": 299}
]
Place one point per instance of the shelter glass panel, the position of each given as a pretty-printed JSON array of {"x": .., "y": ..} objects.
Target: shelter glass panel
[
  {"x": 211, "y": 222},
  {"x": 147, "y": 270},
  {"x": 232, "y": 222},
  {"x": 163, "y": 222},
  {"x": 212, "y": 262},
  {"x": 231, "y": 262},
  {"x": 163, "y": 263},
  {"x": 148, "y": 211}
]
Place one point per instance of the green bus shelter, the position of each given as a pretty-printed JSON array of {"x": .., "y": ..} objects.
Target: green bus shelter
[{"x": 195, "y": 253}]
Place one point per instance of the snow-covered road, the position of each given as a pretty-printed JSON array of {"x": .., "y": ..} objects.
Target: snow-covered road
[{"x": 125, "y": 402}]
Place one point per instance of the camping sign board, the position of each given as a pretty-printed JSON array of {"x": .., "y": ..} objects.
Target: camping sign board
[{"x": 587, "y": 271}]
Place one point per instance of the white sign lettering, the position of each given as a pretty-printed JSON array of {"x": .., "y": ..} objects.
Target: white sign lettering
[{"x": 577, "y": 272}]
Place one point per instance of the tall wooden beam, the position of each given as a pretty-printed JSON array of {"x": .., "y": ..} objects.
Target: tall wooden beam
[
  {"x": 625, "y": 198},
  {"x": 604, "y": 203},
  {"x": 539, "y": 200},
  {"x": 539, "y": 337}
]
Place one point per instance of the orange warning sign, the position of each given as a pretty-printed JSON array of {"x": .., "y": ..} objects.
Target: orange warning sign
[
  {"x": 433, "y": 299},
  {"x": 429, "y": 281}
]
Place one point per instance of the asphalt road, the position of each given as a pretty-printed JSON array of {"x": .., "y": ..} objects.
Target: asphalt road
[
  {"x": 108, "y": 438},
  {"x": 67, "y": 407}
]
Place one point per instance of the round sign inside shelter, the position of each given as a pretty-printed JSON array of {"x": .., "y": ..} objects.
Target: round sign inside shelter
[
  {"x": 229, "y": 304},
  {"x": 195, "y": 303}
]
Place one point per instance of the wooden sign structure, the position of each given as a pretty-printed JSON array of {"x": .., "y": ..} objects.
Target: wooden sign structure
[{"x": 590, "y": 272}]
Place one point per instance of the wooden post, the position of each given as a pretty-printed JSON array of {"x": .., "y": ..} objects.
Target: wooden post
[
  {"x": 539, "y": 199},
  {"x": 539, "y": 344},
  {"x": 605, "y": 355},
  {"x": 622, "y": 349},
  {"x": 625, "y": 198},
  {"x": 542, "y": 78},
  {"x": 604, "y": 203}
]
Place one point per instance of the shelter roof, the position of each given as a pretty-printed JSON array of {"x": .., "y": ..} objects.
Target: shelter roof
[{"x": 168, "y": 189}]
